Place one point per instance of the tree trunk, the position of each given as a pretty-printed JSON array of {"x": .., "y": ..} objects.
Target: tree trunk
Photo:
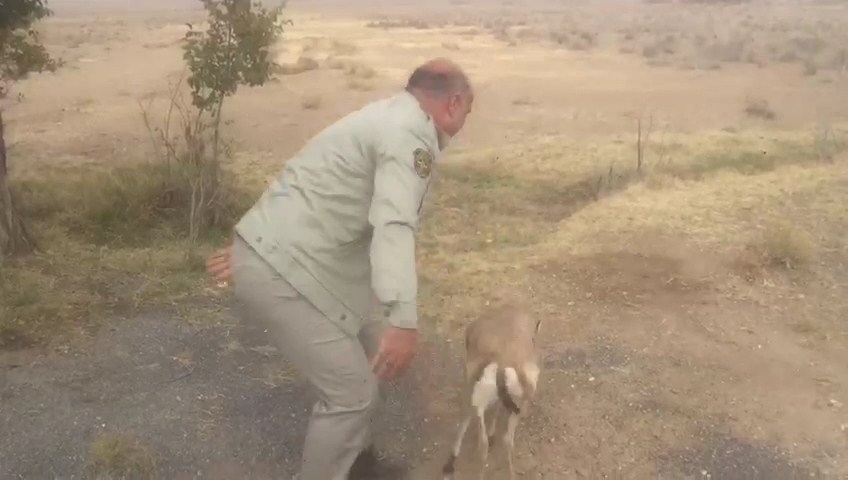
[{"x": 14, "y": 237}]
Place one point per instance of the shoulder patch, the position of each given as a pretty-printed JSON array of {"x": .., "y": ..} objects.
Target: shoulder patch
[{"x": 423, "y": 162}]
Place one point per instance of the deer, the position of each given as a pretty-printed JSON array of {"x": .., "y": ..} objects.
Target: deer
[{"x": 501, "y": 372}]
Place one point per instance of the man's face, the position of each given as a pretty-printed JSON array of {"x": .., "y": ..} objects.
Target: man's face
[{"x": 453, "y": 111}]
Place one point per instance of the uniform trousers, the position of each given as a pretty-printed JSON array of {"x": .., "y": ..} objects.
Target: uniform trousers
[{"x": 335, "y": 364}]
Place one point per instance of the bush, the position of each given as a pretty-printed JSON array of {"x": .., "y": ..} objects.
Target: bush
[{"x": 784, "y": 246}]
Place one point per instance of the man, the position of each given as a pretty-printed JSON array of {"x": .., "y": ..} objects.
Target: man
[{"x": 338, "y": 225}]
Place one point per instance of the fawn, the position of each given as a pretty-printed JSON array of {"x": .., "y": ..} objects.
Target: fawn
[{"x": 501, "y": 370}]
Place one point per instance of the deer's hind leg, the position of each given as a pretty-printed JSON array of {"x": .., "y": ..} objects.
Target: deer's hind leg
[
  {"x": 483, "y": 442},
  {"x": 495, "y": 417},
  {"x": 450, "y": 465},
  {"x": 509, "y": 441}
]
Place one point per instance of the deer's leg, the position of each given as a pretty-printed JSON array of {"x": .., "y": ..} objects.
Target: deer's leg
[
  {"x": 509, "y": 441},
  {"x": 483, "y": 439},
  {"x": 449, "y": 466},
  {"x": 493, "y": 424}
]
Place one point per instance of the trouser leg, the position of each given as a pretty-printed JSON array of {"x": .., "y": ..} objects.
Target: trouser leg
[
  {"x": 334, "y": 363},
  {"x": 369, "y": 337}
]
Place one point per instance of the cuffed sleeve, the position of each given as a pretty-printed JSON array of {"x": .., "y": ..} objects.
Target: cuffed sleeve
[{"x": 400, "y": 182}]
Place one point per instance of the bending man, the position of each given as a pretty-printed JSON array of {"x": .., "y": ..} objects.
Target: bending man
[{"x": 338, "y": 225}]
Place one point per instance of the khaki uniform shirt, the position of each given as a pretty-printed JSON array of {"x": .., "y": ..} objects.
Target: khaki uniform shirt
[{"x": 340, "y": 221}]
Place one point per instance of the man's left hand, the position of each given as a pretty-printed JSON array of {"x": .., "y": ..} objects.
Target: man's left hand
[{"x": 397, "y": 349}]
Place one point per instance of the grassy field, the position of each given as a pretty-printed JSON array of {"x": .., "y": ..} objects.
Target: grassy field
[{"x": 666, "y": 179}]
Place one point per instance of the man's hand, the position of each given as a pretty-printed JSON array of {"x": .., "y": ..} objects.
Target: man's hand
[
  {"x": 218, "y": 265},
  {"x": 397, "y": 349}
]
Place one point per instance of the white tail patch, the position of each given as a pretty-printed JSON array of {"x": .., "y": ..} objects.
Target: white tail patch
[
  {"x": 531, "y": 370},
  {"x": 513, "y": 385},
  {"x": 485, "y": 391}
]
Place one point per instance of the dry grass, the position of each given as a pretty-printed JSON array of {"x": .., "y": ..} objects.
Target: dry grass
[
  {"x": 338, "y": 47},
  {"x": 360, "y": 85},
  {"x": 119, "y": 457},
  {"x": 718, "y": 213},
  {"x": 718, "y": 179},
  {"x": 713, "y": 200},
  {"x": 335, "y": 63},
  {"x": 681, "y": 156},
  {"x": 303, "y": 64},
  {"x": 112, "y": 243},
  {"x": 709, "y": 190},
  {"x": 785, "y": 245},
  {"x": 360, "y": 71},
  {"x": 759, "y": 108},
  {"x": 400, "y": 23},
  {"x": 665, "y": 33},
  {"x": 480, "y": 240},
  {"x": 353, "y": 69},
  {"x": 132, "y": 205}
]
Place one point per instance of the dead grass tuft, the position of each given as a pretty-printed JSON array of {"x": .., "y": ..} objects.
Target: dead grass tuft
[
  {"x": 303, "y": 64},
  {"x": 334, "y": 63},
  {"x": 663, "y": 46},
  {"x": 360, "y": 85},
  {"x": 399, "y": 23},
  {"x": 524, "y": 102},
  {"x": 361, "y": 71},
  {"x": 780, "y": 245},
  {"x": 116, "y": 456},
  {"x": 759, "y": 108},
  {"x": 786, "y": 246},
  {"x": 338, "y": 47},
  {"x": 573, "y": 40},
  {"x": 352, "y": 69},
  {"x": 731, "y": 50}
]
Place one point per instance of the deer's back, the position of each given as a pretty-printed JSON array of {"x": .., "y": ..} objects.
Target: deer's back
[{"x": 504, "y": 333}]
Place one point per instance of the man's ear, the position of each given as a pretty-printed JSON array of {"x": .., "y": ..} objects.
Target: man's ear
[{"x": 455, "y": 102}]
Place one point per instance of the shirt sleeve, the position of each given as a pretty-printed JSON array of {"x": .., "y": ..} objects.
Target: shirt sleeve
[{"x": 401, "y": 179}]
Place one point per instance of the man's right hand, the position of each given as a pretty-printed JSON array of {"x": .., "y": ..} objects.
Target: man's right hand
[{"x": 219, "y": 266}]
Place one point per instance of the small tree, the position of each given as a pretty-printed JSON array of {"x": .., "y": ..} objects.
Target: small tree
[
  {"x": 234, "y": 50},
  {"x": 21, "y": 53}
]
